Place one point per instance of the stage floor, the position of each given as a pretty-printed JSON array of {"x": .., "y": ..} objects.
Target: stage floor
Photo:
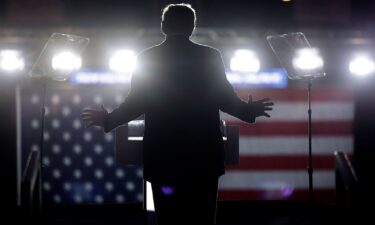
[{"x": 228, "y": 213}]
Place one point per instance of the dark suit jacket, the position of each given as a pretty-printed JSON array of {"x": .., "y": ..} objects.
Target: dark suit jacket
[{"x": 180, "y": 86}]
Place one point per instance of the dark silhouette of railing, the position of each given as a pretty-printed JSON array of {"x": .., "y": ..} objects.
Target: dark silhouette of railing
[
  {"x": 346, "y": 179},
  {"x": 30, "y": 184}
]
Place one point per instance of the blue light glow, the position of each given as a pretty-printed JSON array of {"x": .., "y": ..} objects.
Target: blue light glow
[{"x": 269, "y": 78}]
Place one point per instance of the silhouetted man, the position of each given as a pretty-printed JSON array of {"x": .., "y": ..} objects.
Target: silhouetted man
[{"x": 180, "y": 86}]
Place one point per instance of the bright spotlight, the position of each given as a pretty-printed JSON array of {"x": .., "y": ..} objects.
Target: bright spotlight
[
  {"x": 361, "y": 66},
  {"x": 11, "y": 60},
  {"x": 123, "y": 61},
  {"x": 66, "y": 61},
  {"x": 244, "y": 61},
  {"x": 307, "y": 59}
]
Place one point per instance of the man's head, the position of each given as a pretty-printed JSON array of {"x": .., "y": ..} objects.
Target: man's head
[{"x": 178, "y": 19}]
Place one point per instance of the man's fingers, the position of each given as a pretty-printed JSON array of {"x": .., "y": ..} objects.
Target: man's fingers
[
  {"x": 87, "y": 120},
  {"x": 266, "y": 114},
  {"x": 268, "y": 104},
  {"x": 89, "y": 110},
  {"x": 267, "y": 108},
  {"x": 89, "y": 124},
  {"x": 87, "y": 116},
  {"x": 85, "y": 113},
  {"x": 264, "y": 100}
]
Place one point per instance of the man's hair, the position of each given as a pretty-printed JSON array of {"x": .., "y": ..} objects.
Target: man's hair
[{"x": 178, "y": 19}]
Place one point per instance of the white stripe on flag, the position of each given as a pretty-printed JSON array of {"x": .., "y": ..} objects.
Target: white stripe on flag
[
  {"x": 294, "y": 145},
  {"x": 242, "y": 180},
  {"x": 322, "y": 111}
]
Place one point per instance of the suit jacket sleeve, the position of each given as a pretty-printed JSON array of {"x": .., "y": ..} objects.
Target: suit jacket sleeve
[
  {"x": 132, "y": 107},
  {"x": 228, "y": 100}
]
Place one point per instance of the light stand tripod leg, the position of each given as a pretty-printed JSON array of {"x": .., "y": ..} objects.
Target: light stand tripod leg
[
  {"x": 41, "y": 144},
  {"x": 310, "y": 167}
]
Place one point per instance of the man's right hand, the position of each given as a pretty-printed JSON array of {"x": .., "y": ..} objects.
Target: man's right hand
[
  {"x": 260, "y": 107},
  {"x": 93, "y": 117}
]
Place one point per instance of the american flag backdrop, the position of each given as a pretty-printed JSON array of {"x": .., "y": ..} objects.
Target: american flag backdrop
[
  {"x": 274, "y": 151},
  {"x": 79, "y": 163}
]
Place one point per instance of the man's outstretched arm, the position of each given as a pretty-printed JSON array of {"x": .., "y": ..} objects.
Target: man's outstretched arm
[
  {"x": 230, "y": 103},
  {"x": 132, "y": 107}
]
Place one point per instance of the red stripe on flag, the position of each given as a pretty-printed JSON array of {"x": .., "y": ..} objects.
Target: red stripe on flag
[
  {"x": 283, "y": 162},
  {"x": 321, "y": 128},
  {"x": 320, "y": 195},
  {"x": 318, "y": 94}
]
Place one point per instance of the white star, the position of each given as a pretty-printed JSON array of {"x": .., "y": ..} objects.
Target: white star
[
  {"x": 120, "y": 173},
  {"x": 88, "y": 186},
  {"x": 46, "y": 186},
  {"x": 99, "y": 174},
  {"x": 77, "y": 149},
  {"x": 88, "y": 161},
  {"x": 109, "y": 186},
  {"x": 77, "y": 173},
  {"x": 46, "y": 136},
  {"x": 34, "y": 123},
  {"x": 77, "y": 124},
  {"x": 56, "y": 173},
  {"x": 46, "y": 161},
  {"x": 140, "y": 197},
  {"x": 87, "y": 136},
  {"x": 34, "y": 99},
  {"x": 76, "y": 99},
  {"x": 67, "y": 186},
  {"x": 99, "y": 199},
  {"x": 98, "y": 149},
  {"x": 108, "y": 137},
  {"x": 67, "y": 161},
  {"x": 66, "y": 136},
  {"x": 34, "y": 147},
  {"x": 57, "y": 198},
  {"x": 120, "y": 198},
  {"x": 109, "y": 161},
  {"x": 55, "y": 123},
  {"x": 56, "y": 149},
  {"x": 139, "y": 173},
  {"x": 55, "y": 99},
  {"x": 78, "y": 198},
  {"x": 98, "y": 99},
  {"x": 66, "y": 111},
  {"x": 130, "y": 186}
]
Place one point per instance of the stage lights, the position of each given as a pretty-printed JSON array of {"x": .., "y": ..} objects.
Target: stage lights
[
  {"x": 244, "y": 61},
  {"x": 307, "y": 59},
  {"x": 66, "y": 61},
  {"x": 11, "y": 61},
  {"x": 362, "y": 66},
  {"x": 123, "y": 61}
]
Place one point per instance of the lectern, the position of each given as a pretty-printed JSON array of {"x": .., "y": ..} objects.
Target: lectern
[{"x": 129, "y": 149}]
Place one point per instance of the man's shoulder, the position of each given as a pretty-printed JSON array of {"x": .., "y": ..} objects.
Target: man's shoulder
[
  {"x": 158, "y": 49},
  {"x": 149, "y": 51},
  {"x": 206, "y": 48}
]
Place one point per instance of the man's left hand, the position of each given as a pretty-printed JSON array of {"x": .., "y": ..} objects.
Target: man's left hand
[{"x": 93, "y": 117}]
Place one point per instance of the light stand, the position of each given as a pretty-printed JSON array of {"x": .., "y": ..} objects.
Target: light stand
[
  {"x": 41, "y": 141},
  {"x": 310, "y": 166},
  {"x": 300, "y": 62},
  {"x": 58, "y": 59}
]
